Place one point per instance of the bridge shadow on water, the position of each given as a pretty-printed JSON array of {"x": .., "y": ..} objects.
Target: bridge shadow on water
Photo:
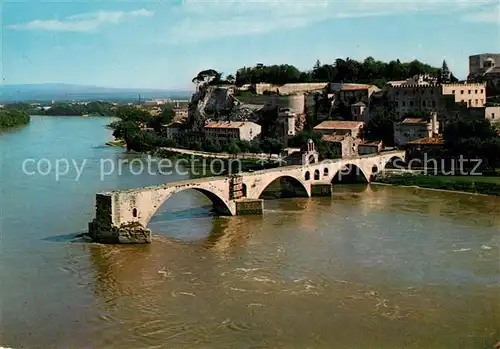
[{"x": 78, "y": 237}]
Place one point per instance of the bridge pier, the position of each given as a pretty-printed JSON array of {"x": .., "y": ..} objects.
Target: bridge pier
[
  {"x": 322, "y": 190},
  {"x": 104, "y": 230},
  {"x": 133, "y": 233}
]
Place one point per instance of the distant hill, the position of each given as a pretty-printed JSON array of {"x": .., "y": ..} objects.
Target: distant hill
[{"x": 68, "y": 92}]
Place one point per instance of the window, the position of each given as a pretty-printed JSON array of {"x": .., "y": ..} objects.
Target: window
[
  {"x": 134, "y": 212},
  {"x": 325, "y": 171},
  {"x": 423, "y": 103},
  {"x": 469, "y": 91},
  {"x": 433, "y": 103},
  {"x": 316, "y": 175},
  {"x": 411, "y": 103},
  {"x": 481, "y": 91},
  {"x": 476, "y": 102},
  {"x": 492, "y": 115},
  {"x": 475, "y": 91},
  {"x": 453, "y": 91},
  {"x": 403, "y": 103},
  {"x": 307, "y": 176},
  {"x": 462, "y": 92}
]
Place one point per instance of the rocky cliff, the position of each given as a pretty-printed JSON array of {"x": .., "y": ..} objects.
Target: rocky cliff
[{"x": 219, "y": 103}]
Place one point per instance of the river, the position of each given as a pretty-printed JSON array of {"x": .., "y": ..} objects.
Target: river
[{"x": 373, "y": 267}]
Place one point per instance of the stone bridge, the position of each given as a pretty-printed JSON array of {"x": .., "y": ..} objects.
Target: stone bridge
[{"x": 122, "y": 216}]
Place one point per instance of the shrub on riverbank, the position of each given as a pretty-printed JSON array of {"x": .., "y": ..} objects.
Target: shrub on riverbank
[
  {"x": 471, "y": 184},
  {"x": 12, "y": 118}
]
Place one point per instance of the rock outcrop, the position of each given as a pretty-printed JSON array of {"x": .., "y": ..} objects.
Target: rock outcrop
[{"x": 218, "y": 103}]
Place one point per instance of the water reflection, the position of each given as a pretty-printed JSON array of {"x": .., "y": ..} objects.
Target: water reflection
[{"x": 229, "y": 233}]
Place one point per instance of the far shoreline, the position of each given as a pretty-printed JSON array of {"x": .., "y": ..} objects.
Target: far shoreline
[{"x": 433, "y": 189}]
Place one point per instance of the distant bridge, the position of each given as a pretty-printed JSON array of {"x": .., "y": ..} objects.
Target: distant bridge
[{"x": 122, "y": 216}]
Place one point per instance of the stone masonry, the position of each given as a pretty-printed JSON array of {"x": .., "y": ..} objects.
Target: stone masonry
[{"x": 122, "y": 216}]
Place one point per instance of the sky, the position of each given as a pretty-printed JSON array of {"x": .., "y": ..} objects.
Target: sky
[{"x": 164, "y": 44}]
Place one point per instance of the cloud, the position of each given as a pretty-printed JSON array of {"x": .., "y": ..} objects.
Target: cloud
[
  {"x": 202, "y": 19},
  {"x": 85, "y": 22}
]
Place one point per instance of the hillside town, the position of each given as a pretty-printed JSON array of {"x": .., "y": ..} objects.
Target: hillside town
[
  {"x": 347, "y": 116},
  {"x": 276, "y": 109}
]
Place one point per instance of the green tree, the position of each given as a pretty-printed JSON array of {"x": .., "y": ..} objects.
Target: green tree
[
  {"x": 455, "y": 132},
  {"x": 303, "y": 136},
  {"x": 231, "y": 79},
  {"x": 369, "y": 70},
  {"x": 233, "y": 148},
  {"x": 133, "y": 114},
  {"x": 211, "y": 146},
  {"x": 444, "y": 74},
  {"x": 244, "y": 145},
  {"x": 271, "y": 146},
  {"x": 165, "y": 117},
  {"x": 209, "y": 76},
  {"x": 11, "y": 118},
  {"x": 381, "y": 127},
  {"x": 473, "y": 139}
]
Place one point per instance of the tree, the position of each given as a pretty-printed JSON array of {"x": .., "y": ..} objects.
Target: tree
[
  {"x": 473, "y": 139},
  {"x": 233, "y": 148},
  {"x": 12, "y": 117},
  {"x": 165, "y": 117},
  {"x": 381, "y": 127},
  {"x": 211, "y": 146},
  {"x": 316, "y": 70},
  {"x": 464, "y": 129},
  {"x": 231, "y": 79},
  {"x": 133, "y": 114},
  {"x": 444, "y": 75},
  {"x": 209, "y": 76},
  {"x": 368, "y": 71},
  {"x": 453, "y": 78},
  {"x": 124, "y": 129},
  {"x": 303, "y": 136},
  {"x": 271, "y": 146}
]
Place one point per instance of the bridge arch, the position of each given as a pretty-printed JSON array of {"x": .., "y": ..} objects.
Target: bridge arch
[
  {"x": 394, "y": 162},
  {"x": 350, "y": 173},
  {"x": 220, "y": 204},
  {"x": 290, "y": 179}
]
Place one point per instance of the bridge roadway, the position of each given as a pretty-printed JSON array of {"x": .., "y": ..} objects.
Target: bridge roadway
[{"x": 122, "y": 216}]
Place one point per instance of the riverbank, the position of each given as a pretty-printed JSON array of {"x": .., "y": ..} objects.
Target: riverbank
[
  {"x": 13, "y": 118},
  {"x": 116, "y": 143},
  {"x": 468, "y": 184}
]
